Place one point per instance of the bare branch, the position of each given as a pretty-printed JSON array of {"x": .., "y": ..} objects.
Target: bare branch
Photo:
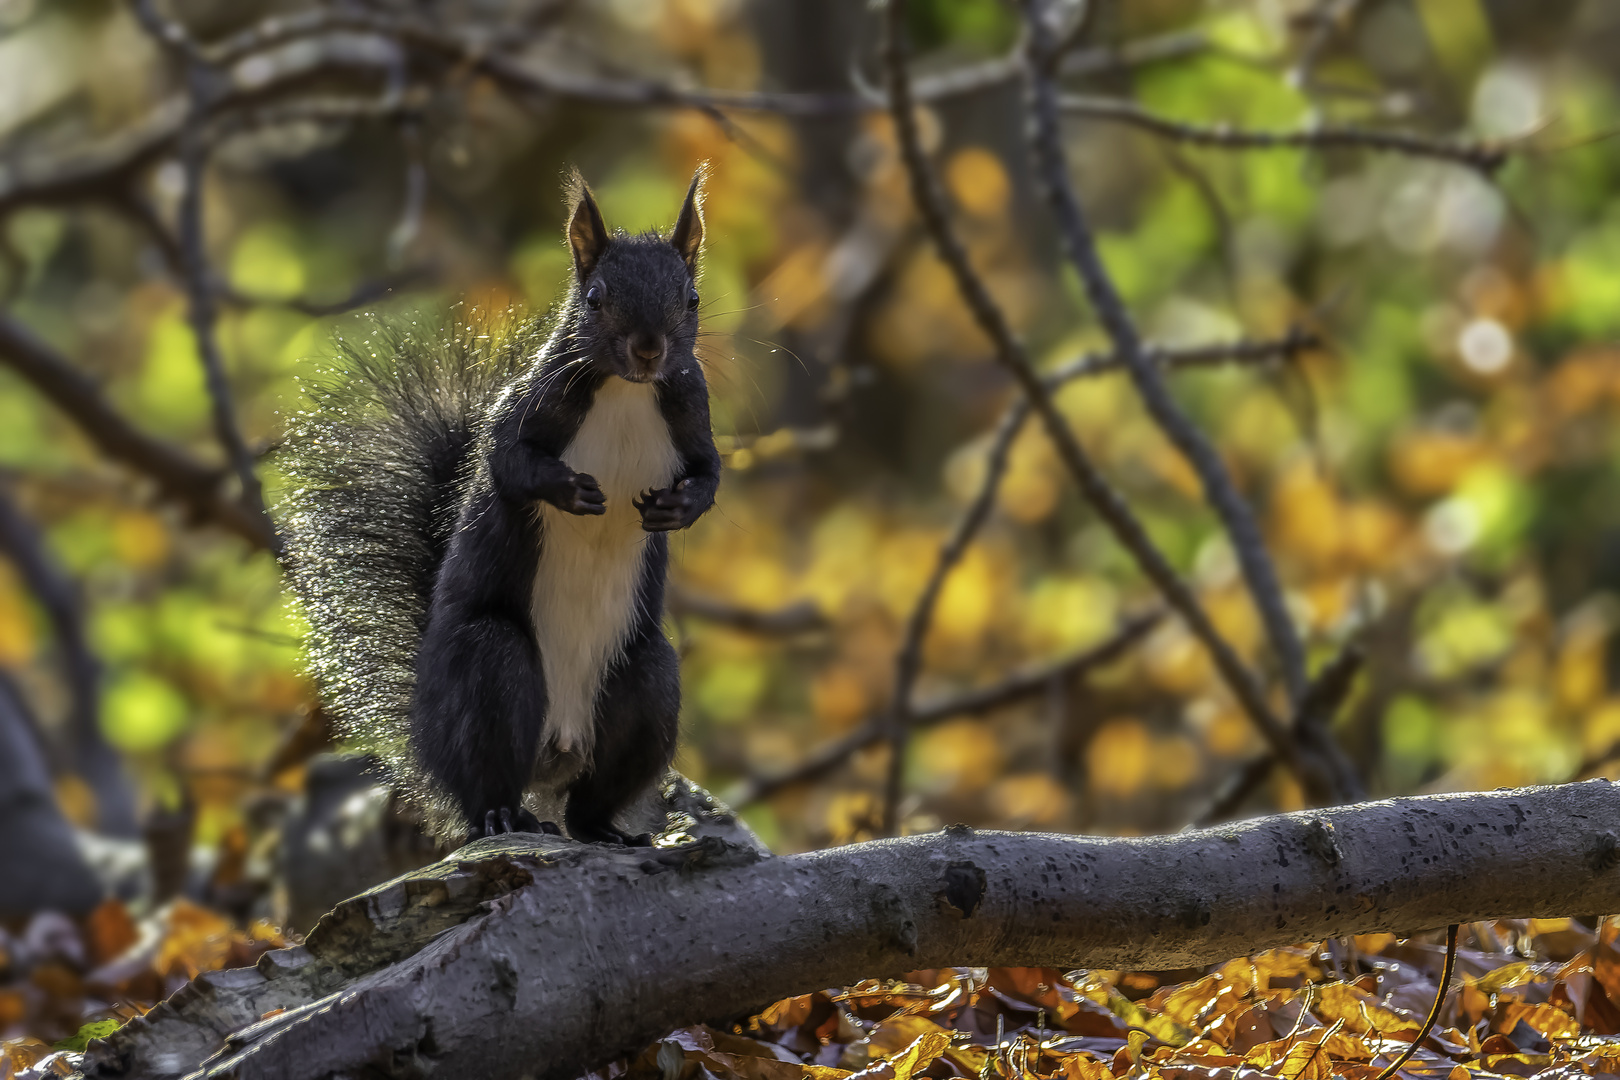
[
  {"x": 1487, "y": 157},
  {"x": 95, "y": 169},
  {"x": 284, "y": 51},
  {"x": 1009, "y": 691},
  {"x": 1235, "y": 791},
  {"x": 1258, "y": 571},
  {"x": 1325, "y": 20},
  {"x": 203, "y": 314},
  {"x": 1180, "y": 358},
  {"x": 1009, "y": 351},
  {"x": 973, "y": 518},
  {"x": 908, "y": 661},
  {"x": 1312, "y": 728},
  {"x": 1331, "y": 775},
  {"x": 179, "y": 476},
  {"x": 202, "y": 88},
  {"x": 367, "y": 292},
  {"x": 800, "y": 618}
]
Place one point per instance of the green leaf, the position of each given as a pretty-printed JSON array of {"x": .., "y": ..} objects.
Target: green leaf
[
  {"x": 79, "y": 1042},
  {"x": 143, "y": 712}
]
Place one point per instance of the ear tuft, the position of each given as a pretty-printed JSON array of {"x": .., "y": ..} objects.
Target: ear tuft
[
  {"x": 687, "y": 237},
  {"x": 587, "y": 233}
]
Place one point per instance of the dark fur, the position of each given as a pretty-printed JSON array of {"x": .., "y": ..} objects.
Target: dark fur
[{"x": 414, "y": 521}]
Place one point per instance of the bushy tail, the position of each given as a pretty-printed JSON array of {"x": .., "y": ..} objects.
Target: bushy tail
[{"x": 375, "y": 466}]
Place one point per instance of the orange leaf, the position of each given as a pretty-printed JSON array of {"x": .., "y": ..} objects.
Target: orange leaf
[{"x": 109, "y": 931}]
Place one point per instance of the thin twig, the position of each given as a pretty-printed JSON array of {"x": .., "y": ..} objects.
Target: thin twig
[
  {"x": 976, "y": 702},
  {"x": 1312, "y": 729},
  {"x": 1326, "y": 19},
  {"x": 179, "y": 476},
  {"x": 908, "y": 661},
  {"x": 252, "y": 68},
  {"x": 1109, "y": 305},
  {"x": 1434, "y": 1012},
  {"x": 1487, "y": 156},
  {"x": 203, "y": 314},
  {"x": 1010, "y": 352},
  {"x": 367, "y": 292},
  {"x": 202, "y": 304},
  {"x": 1235, "y": 791},
  {"x": 794, "y": 619},
  {"x": 1219, "y": 216}
]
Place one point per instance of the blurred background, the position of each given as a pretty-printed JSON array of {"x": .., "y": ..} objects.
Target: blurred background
[{"x": 1431, "y": 455}]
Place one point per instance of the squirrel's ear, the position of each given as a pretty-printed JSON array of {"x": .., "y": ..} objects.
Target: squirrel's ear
[
  {"x": 587, "y": 233},
  {"x": 688, "y": 234}
]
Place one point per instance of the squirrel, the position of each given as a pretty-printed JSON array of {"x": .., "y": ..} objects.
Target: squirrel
[{"x": 478, "y": 529}]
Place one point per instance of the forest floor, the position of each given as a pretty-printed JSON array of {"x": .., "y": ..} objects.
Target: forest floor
[{"x": 1529, "y": 998}]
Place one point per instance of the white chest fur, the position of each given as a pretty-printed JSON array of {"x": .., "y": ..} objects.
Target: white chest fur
[{"x": 585, "y": 586}]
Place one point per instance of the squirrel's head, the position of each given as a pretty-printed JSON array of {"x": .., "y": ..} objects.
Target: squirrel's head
[{"x": 636, "y": 295}]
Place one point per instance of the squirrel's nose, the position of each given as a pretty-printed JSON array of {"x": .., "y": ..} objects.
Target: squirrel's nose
[{"x": 647, "y": 346}]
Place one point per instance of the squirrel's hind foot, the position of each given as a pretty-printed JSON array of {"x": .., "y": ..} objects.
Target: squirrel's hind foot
[
  {"x": 505, "y": 819},
  {"x": 607, "y": 834}
]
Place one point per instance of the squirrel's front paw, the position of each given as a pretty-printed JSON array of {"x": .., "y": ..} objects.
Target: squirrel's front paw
[
  {"x": 583, "y": 496},
  {"x": 664, "y": 509}
]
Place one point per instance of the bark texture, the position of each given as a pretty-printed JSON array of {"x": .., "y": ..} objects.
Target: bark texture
[{"x": 545, "y": 958}]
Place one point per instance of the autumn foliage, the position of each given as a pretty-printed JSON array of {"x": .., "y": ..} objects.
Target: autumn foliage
[{"x": 1426, "y": 441}]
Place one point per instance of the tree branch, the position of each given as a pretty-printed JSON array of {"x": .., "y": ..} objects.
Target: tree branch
[
  {"x": 1487, "y": 157},
  {"x": 179, "y": 476},
  {"x": 203, "y": 314},
  {"x": 1009, "y": 691},
  {"x": 533, "y": 955},
  {"x": 259, "y": 63},
  {"x": 1009, "y": 352},
  {"x": 1109, "y": 305},
  {"x": 202, "y": 89},
  {"x": 800, "y": 618},
  {"x": 908, "y": 660}
]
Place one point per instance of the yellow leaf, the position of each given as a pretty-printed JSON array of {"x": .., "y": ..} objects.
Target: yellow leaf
[
  {"x": 920, "y": 1054},
  {"x": 1028, "y": 799},
  {"x": 140, "y": 539},
  {"x": 1307, "y": 1060},
  {"x": 1119, "y": 757},
  {"x": 959, "y": 756},
  {"x": 978, "y": 182},
  {"x": 1082, "y": 1067},
  {"x": 1428, "y": 462}
]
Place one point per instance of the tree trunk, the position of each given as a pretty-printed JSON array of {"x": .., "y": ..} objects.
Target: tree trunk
[{"x": 572, "y": 955}]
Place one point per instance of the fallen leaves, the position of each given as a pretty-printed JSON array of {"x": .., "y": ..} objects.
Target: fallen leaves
[{"x": 1534, "y": 1000}]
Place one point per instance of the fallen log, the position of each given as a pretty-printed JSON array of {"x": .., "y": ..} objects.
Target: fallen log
[{"x": 535, "y": 956}]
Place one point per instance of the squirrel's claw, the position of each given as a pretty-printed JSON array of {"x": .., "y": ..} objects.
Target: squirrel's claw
[
  {"x": 504, "y": 820},
  {"x": 664, "y": 509},
  {"x": 588, "y": 497}
]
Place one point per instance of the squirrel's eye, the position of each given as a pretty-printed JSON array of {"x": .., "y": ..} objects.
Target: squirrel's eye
[
  {"x": 692, "y": 301},
  {"x": 593, "y": 298}
]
